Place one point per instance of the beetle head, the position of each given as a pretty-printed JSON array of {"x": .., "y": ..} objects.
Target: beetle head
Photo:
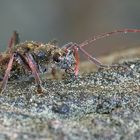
[{"x": 65, "y": 60}]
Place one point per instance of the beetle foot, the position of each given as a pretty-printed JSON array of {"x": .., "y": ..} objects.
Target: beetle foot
[{"x": 41, "y": 89}]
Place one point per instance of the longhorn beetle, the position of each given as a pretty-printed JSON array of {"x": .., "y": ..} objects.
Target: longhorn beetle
[{"x": 33, "y": 58}]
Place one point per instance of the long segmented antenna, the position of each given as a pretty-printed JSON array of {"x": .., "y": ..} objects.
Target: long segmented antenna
[
  {"x": 107, "y": 34},
  {"x": 100, "y": 36}
]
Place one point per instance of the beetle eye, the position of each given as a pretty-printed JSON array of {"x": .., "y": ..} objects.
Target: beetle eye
[
  {"x": 41, "y": 55},
  {"x": 56, "y": 57}
]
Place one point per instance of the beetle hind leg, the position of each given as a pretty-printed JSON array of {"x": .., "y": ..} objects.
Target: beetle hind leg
[{"x": 5, "y": 78}]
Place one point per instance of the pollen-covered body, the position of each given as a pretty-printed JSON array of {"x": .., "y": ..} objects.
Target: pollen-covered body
[
  {"x": 40, "y": 52},
  {"x": 45, "y": 57}
]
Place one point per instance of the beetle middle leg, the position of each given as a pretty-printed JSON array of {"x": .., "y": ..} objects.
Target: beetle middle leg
[{"x": 32, "y": 66}]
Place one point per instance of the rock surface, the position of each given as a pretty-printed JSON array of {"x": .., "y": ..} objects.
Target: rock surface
[{"x": 100, "y": 105}]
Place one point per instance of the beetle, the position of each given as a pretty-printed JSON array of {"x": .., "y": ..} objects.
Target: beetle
[{"x": 34, "y": 58}]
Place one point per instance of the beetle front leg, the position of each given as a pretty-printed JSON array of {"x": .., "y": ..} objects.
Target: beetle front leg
[
  {"x": 76, "y": 48},
  {"x": 71, "y": 46},
  {"x": 76, "y": 55}
]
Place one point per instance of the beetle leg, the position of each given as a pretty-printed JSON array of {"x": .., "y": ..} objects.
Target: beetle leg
[
  {"x": 53, "y": 72},
  {"x": 77, "y": 47},
  {"x": 72, "y": 46},
  {"x": 76, "y": 55},
  {"x": 23, "y": 61},
  {"x": 14, "y": 40},
  {"x": 35, "y": 73},
  {"x": 5, "y": 79}
]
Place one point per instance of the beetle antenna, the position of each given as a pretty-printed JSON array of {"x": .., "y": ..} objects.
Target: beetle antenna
[{"x": 107, "y": 34}]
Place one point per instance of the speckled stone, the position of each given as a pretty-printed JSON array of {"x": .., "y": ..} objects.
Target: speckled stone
[{"x": 100, "y": 105}]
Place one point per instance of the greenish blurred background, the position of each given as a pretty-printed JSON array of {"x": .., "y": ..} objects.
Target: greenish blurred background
[{"x": 70, "y": 20}]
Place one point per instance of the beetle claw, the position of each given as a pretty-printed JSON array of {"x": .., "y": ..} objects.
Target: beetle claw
[{"x": 41, "y": 89}]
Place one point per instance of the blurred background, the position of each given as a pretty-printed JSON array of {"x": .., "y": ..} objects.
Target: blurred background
[{"x": 71, "y": 20}]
